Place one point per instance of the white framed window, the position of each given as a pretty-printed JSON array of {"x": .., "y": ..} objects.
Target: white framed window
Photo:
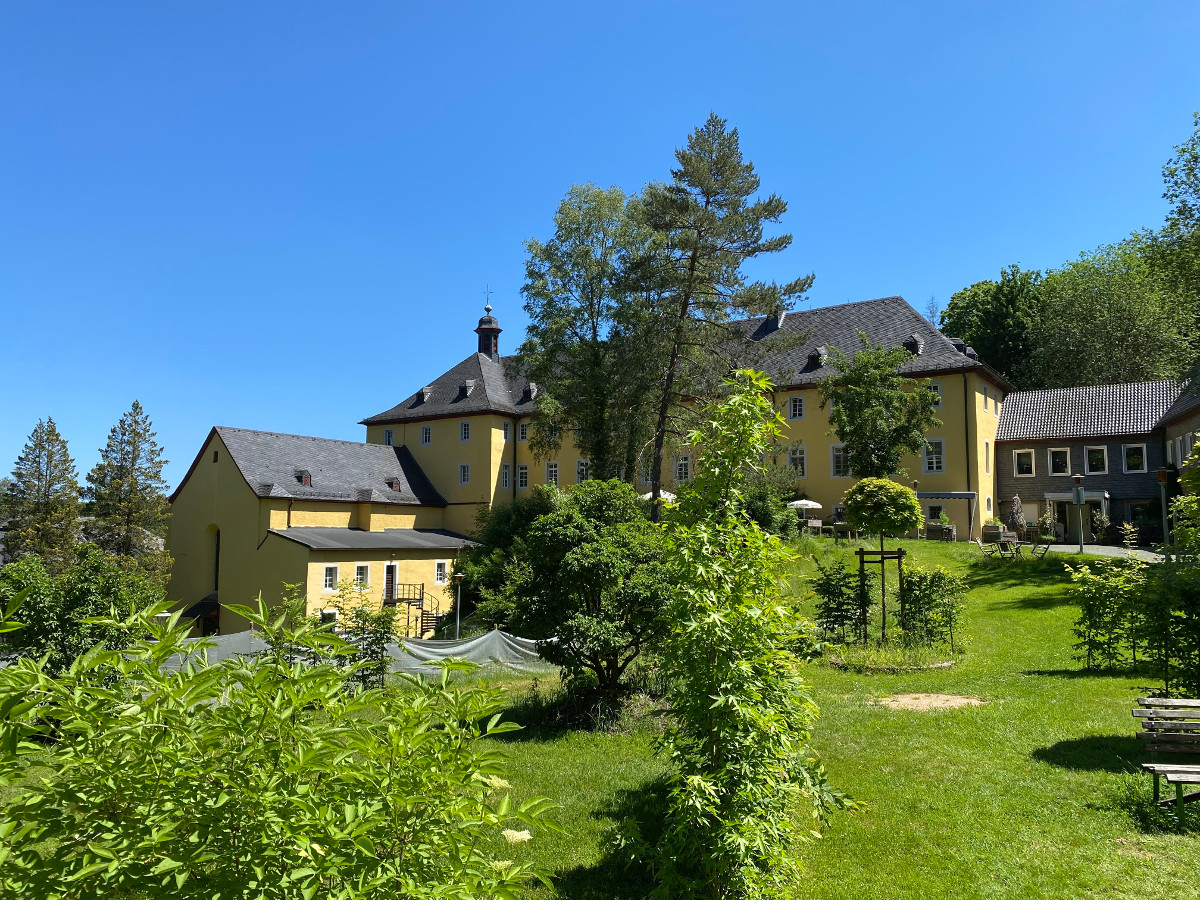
[
  {"x": 389, "y": 437},
  {"x": 522, "y": 477},
  {"x": 1023, "y": 463},
  {"x": 796, "y": 408},
  {"x": 1178, "y": 452},
  {"x": 505, "y": 476},
  {"x": 1058, "y": 460},
  {"x": 987, "y": 399},
  {"x": 426, "y": 435},
  {"x": 552, "y": 473},
  {"x": 329, "y": 616},
  {"x": 1170, "y": 453},
  {"x": 683, "y": 468},
  {"x": 582, "y": 469},
  {"x": 987, "y": 458},
  {"x": 362, "y": 576},
  {"x": 997, "y": 404},
  {"x": 839, "y": 464},
  {"x": 464, "y": 431},
  {"x": 440, "y": 570},
  {"x": 989, "y": 504},
  {"x": 798, "y": 461},
  {"x": 934, "y": 512},
  {"x": 1135, "y": 458},
  {"x": 523, "y": 431},
  {"x": 936, "y": 387},
  {"x": 464, "y": 473},
  {"x": 506, "y": 427},
  {"x": 331, "y": 579},
  {"x": 644, "y": 472},
  {"x": 1095, "y": 460},
  {"x": 933, "y": 457}
]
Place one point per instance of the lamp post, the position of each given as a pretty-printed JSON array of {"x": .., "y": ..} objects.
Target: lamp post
[
  {"x": 1078, "y": 500},
  {"x": 458, "y": 577},
  {"x": 1162, "y": 493}
]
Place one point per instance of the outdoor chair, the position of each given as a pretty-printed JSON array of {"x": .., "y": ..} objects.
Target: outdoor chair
[
  {"x": 1039, "y": 549},
  {"x": 1007, "y": 550},
  {"x": 987, "y": 551}
]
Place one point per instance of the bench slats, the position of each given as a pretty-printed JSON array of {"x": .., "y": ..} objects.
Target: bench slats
[
  {"x": 1171, "y": 769},
  {"x": 1172, "y": 726},
  {"x": 1171, "y": 737},
  {"x": 1162, "y": 702},
  {"x": 1166, "y": 714}
]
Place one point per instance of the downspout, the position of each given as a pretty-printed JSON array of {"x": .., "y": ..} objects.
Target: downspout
[{"x": 967, "y": 456}]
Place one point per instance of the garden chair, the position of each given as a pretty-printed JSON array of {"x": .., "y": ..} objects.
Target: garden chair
[
  {"x": 1039, "y": 549},
  {"x": 987, "y": 551},
  {"x": 1007, "y": 550}
]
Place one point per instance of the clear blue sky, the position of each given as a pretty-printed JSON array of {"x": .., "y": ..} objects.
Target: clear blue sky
[{"x": 283, "y": 216}]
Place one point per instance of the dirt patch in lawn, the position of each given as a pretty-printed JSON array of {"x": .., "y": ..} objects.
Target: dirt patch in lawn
[{"x": 923, "y": 702}]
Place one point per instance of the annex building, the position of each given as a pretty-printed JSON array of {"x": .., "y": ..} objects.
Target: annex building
[{"x": 258, "y": 509}]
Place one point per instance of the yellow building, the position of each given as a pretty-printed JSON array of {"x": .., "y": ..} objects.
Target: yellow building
[{"x": 258, "y": 509}]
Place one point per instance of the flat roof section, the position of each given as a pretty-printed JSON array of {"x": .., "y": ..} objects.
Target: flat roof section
[{"x": 320, "y": 538}]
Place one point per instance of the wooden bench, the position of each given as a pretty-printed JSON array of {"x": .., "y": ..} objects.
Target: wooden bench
[{"x": 1171, "y": 726}]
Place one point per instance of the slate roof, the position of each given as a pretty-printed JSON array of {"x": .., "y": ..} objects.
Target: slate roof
[
  {"x": 497, "y": 388},
  {"x": 1188, "y": 401},
  {"x": 390, "y": 539},
  {"x": 338, "y": 470},
  {"x": 889, "y": 321},
  {"x": 1106, "y": 410}
]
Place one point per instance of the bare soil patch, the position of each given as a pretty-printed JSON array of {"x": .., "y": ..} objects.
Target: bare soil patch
[{"x": 924, "y": 702}]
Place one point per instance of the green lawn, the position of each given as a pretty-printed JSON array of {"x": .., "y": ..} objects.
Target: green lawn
[{"x": 1026, "y": 796}]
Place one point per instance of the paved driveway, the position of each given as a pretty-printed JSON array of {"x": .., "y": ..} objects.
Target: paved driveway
[{"x": 1105, "y": 550}]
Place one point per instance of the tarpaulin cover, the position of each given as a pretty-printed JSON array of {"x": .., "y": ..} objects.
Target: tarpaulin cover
[{"x": 494, "y": 650}]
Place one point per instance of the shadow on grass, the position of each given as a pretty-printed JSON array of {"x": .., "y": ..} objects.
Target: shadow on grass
[
  {"x": 1095, "y": 753},
  {"x": 545, "y": 715},
  {"x": 616, "y": 876}
]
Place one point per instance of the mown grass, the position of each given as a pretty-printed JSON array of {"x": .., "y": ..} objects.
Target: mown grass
[{"x": 1034, "y": 794}]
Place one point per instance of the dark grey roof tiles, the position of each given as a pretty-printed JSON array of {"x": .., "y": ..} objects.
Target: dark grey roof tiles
[
  {"x": 889, "y": 321},
  {"x": 1188, "y": 401},
  {"x": 390, "y": 539},
  {"x": 338, "y": 470},
  {"x": 1106, "y": 410},
  {"x": 496, "y": 389}
]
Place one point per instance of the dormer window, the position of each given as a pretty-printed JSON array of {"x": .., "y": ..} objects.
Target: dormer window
[
  {"x": 393, "y": 484},
  {"x": 914, "y": 345},
  {"x": 818, "y": 356},
  {"x": 389, "y": 437},
  {"x": 303, "y": 478},
  {"x": 466, "y": 388},
  {"x": 426, "y": 393},
  {"x": 530, "y": 392}
]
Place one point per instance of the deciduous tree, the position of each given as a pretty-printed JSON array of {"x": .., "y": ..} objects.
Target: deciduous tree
[
  {"x": 43, "y": 499},
  {"x": 878, "y": 414},
  {"x": 997, "y": 319}
]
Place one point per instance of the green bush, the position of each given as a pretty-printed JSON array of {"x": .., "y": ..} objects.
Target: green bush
[
  {"x": 931, "y": 607},
  {"x": 248, "y": 778}
]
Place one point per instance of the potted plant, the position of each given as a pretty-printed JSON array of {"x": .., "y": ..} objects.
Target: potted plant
[
  {"x": 943, "y": 530},
  {"x": 992, "y": 530}
]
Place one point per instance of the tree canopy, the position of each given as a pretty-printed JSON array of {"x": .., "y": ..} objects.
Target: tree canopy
[
  {"x": 43, "y": 499},
  {"x": 998, "y": 319}
]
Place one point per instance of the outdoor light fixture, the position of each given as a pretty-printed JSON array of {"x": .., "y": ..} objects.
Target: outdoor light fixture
[
  {"x": 1078, "y": 500},
  {"x": 1162, "y": 493}
]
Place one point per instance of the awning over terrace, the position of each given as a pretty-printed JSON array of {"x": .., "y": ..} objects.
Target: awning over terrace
[{"x": 972, "y": 497}]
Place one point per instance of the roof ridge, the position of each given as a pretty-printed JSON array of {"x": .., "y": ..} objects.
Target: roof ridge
[{"x": 307, "y": 437}]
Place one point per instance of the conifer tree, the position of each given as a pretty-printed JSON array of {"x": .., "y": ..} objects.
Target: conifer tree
[
  {"x": 709, "y": 224},
  {"x": 125, "y": 489},
  {"x": 43, "y": 499}
]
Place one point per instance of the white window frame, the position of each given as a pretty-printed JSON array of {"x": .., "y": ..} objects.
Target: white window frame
[
  {"x": 834, "y": 450},
  {"x": 796, "y": 408},
  {"x": 926, "y": 459},
  {"x": 1170, "y": 453},
  {"x": 523, "y": 432},
  {"x": 505, "y": 476},
  {"x": 366, "y": 581},
  {"x": 395, "y": 570},
  {"x": 522, "y": 477},
  {"x": 325, "y": 587},
  {"x": 683, "y": 468},
  {"x": 552, "y": 472},
  {"x": 802, "y": 454},
  {"x": 1050, "y": 451},
  {"x": 328, "y": 616},
  {"x": 506, "y": 427},
  {"x": 929, "y": 516},
  {"x": 389, "y": 437},
  {"x": 464, "y": 473},
  {"x": 1032, "y": 464},
  {"x": 987, "y": 458},
  {"x": 936, "y": 386},
  {"x": 644, "y": 473},
  {"x": 1125, "y": 460},
  {"x": 464, "y": 431},
  {"x": 426, "y": 435},
  {"x": 583, "y": 469},
  {"x": 987, "y": 399},
  {"x": 1087, "y": 463},
  {"x": 441, "y": 571},
  {"x": 989, "y": 505}
]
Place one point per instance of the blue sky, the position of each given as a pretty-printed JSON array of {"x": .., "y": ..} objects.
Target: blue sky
[{"x": 283, "y": 216}]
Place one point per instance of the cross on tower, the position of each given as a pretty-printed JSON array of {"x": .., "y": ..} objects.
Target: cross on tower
[{"x": 487, "y": 300}]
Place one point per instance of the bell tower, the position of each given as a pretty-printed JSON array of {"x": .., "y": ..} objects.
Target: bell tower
[{"x": 489, "y": 334}]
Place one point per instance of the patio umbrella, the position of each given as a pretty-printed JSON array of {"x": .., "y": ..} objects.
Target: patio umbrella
[
  {"x": 804, "y": 504},
  {"x": 665, "y": 496},
  {"x": 1016, "y": 514}
]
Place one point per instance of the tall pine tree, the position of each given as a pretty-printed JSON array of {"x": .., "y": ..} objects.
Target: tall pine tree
[
  {"x": 708, "y": 225},
  {"x": 42, "y": 500},
  {"x": 126, "y": 491}
]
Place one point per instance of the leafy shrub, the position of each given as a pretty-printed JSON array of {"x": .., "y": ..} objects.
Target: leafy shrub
[
  {"x": 740, "y": 713},
  {"x": 931, "y": 606},
  {"x": 846, "y": 603},
  {"x": 248, "y": 778}
]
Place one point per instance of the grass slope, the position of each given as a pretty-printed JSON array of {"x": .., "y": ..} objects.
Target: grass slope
[{"x": 1026, "y": 796}]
